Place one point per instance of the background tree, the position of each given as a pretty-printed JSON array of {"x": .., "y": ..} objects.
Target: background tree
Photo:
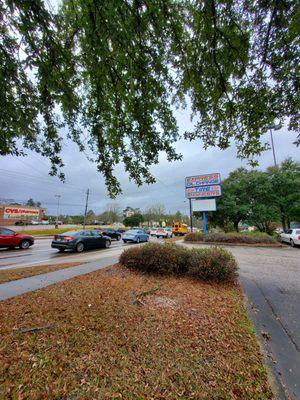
[
  {"x": 134, "y": 220},
  {"x": 111, "y": 72},
  {"x": 32, "y": 203},
  {"x": 247, "y": 196},
  {"x": 113, "y": 212},
  {"x": 285, "y": 180},
  {"x": 155, "y": 214}
]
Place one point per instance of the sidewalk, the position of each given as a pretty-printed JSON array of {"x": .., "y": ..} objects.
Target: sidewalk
[{"x": 20, "y": 286}]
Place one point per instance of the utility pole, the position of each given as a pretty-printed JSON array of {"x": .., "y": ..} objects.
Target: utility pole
[
  {"x": 57, "y": 211},
  {"x": 274, "y": 157},
  {"x": 86, "y": 207}
]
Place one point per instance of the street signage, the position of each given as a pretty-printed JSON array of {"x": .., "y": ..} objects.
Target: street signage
[
  {"x": 204, "y": 205},
  {"x": 202, "y": 180},
  {"x": 20, "y": 212},
  {"x": 203, "y": 191}
]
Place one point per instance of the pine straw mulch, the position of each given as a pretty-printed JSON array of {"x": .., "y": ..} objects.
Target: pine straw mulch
[
  {"x": 119, "y": 334},
  {"x": 7, "y": 275}
]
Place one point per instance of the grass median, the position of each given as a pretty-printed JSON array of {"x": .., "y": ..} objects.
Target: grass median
[
  {"x": 7, "y": 275},
  {"x": 119, "y": 333}
]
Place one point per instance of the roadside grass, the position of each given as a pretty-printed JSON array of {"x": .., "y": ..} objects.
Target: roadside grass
[
  {"x": 52, "y": 231},
  {"x": 8, "y": 275},
  {"x": 120, "y": 334}
]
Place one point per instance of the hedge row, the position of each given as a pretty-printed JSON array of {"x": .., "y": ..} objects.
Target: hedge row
[
  {"x": 231, "y": 237},
  {"x": 207, "y": 264}
]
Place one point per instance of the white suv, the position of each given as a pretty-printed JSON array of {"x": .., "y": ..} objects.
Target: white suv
[
  {"x": 164, "y": 233},
  {"x": 291, "y": 236}
]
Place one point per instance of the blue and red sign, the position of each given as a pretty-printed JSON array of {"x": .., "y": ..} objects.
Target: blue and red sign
[
  {"x": 203, "y": 191},
  {"x": 203, "y": 180}
]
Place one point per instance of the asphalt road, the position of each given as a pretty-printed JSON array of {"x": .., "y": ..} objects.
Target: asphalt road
[{"x": 42, "y": 253}]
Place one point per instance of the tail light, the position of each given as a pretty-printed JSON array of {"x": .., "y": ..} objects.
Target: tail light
[
  {"x": 67, "y": 238},
  {"x": 298, "y": 237}
]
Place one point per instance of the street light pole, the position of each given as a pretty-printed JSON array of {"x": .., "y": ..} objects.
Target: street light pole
[{"x": 57, "y": 211}]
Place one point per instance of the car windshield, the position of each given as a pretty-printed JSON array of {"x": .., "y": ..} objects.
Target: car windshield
[{"x": 132, "y": 232}]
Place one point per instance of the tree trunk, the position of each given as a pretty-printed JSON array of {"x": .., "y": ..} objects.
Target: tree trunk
[
  {"x": 236, "y": 225},
  {"x": 283, "y": 222}
]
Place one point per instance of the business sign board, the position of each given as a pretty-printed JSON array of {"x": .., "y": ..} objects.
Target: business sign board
[
  {"x": 20, "y": 212},
  {"x": 204, "y": 205},
  {"x": 203, "y": 180},
  {"x": 203, "y": 191}
]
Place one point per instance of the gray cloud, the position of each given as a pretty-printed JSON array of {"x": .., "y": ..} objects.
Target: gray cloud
[{"x": 28, "y": 177}]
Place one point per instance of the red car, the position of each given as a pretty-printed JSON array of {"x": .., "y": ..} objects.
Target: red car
[{"x": 11, "y": 239}]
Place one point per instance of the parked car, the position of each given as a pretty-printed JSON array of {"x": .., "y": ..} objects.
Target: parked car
[
  {"x": 34, "y": 222},
  {"x": 291, "y": 236},
  {"x": 80, "y": 240},
  {"x": 120, "y": 230},
  {"x": 12, "y": 239},
  {"x": 136, "y": 236},
  {"x": 153, "y": 231},
  {"x": 22, "y": 222},
  {"x": 45, "y": 222},
  {"x": 112, "y": 233},
  {"x": 164, "y": 233}
]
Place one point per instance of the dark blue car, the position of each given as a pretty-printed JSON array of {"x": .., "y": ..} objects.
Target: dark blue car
[
  {"x": 80, "y": 241},
  {"x": 135, "y": 236}
]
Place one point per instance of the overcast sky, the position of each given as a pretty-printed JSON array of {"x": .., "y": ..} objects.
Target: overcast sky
[{"x": 28, "y": 177}]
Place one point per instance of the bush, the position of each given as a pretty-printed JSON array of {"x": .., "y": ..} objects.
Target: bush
[
  {"x": 164, "y": 259},
  {"x": 213, "y": 263},
  {"x": 231, "y": 237},
  {"x": 169, "y": 259}
]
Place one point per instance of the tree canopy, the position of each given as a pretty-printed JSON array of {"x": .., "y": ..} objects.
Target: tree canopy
[
  {"x": 112, "y": 72},
  {"x": 133, "y": 220},
  {"x": 260, "y": 198}
]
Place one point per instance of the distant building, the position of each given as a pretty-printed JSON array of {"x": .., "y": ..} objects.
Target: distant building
[{"x": 12, "y": 213}]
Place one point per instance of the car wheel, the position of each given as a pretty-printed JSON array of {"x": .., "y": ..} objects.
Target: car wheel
[
  {"x": 107, "y": 244},
  {"x": 292, "y": 243},
  {"x": 79, "y": 247},
  {"x": 138, "y": 240},
  {"x": 61, "y": 250},
  {"x": 25, "y": 244}
]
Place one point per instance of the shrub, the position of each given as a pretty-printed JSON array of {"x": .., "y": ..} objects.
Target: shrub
[
  {"x": 207, "y": 264},
  {"x": 213, "y": 263},
  {"x": 154, "y": 257},
  {"x": 231, "y": 237}
]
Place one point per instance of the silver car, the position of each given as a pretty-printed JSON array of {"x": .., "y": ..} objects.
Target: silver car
[{"x": 291, "y": 236}]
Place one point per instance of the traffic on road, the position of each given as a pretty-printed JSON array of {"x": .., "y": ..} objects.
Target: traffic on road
[{"x": 19, "y": 249}]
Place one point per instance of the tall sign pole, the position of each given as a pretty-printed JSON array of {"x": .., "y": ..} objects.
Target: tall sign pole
[
  {"x": 191, "y": 215},
  {"x": 86, "y": 207},
  {"x": 204, "y": 229}
]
